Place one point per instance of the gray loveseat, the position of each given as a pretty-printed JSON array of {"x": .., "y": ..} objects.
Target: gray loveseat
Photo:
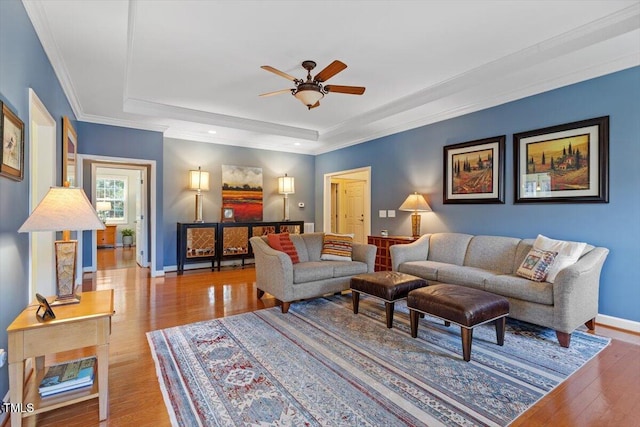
[
  {"x": 311, "y": 277},
  {"x": 490, "y": 262}
]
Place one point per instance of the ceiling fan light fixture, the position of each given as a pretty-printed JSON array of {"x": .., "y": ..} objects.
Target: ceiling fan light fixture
[{"x": 308, "y": 94}]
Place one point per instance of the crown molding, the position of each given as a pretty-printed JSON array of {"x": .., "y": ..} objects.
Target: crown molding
[
  {"x": 608, "y": 27},
  {"x": 38, "y": 18},
  {"x": 133, "y": 124},
  {"x": 148, "y": 108}
]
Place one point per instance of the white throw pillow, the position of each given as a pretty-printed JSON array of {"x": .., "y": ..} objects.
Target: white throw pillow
[{"x": 568, "y": 253}]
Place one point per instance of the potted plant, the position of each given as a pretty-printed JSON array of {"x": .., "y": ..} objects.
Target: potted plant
[{"x": 127, "y": 236}]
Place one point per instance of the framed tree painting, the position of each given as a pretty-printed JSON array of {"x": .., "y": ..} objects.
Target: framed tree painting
[
  {"x": 563, "y": 164},
  {"x": 69, "y": 152},
  {"x": 474, "y": 171},
  {"x": 12, "y": 137}
]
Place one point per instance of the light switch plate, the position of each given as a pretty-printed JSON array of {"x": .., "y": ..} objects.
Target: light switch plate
[
  {"x": 382, "y": 213},
  {"x": 391, "y": 213}
]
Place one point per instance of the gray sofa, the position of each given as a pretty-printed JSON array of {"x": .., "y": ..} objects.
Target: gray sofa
[
  {"x": 490, "y": 262},
  {"x": 311, "y": 277}
]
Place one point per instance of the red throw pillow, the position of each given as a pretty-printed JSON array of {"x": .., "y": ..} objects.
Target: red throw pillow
[
  {"x": 274, "y": 241},
  {"x": 282, "y": 242},
  {"x": 289, "y": 248}
]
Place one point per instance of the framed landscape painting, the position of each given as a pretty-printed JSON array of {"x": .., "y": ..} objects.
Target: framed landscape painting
[
  {"x": 242, "y": 193},
  {"x": 563, "y": 164},
  {"x": 474, "y": 171}
]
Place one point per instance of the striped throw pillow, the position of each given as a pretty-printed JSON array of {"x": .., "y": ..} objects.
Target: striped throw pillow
[
  {"x": 337, "y": 247},
  {"x": 282, "y": 242}
]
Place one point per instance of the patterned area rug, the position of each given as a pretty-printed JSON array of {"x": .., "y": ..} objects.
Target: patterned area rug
[{"x": 321, "y": 365}]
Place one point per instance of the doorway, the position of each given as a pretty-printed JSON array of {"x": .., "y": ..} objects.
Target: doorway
[
  {"x": 143, "y": 205},
  {"x": 119, "y": 194},
  {"x": 347, "y": 203}
]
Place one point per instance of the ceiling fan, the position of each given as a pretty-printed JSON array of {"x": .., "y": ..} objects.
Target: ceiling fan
[{"x": 311, "y": 91}]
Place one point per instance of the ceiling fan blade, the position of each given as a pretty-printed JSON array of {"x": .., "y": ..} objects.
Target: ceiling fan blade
[
  {"x": 276, "y": 92},
  {"x": 330, "y": 70},
  {"x": 351, "y": 90},
  {"x": 317, "y": 104},
  {"x": 278, "y": 72}
]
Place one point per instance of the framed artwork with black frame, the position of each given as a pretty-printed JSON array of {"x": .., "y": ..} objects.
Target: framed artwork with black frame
[
  {"x": 567, "y": 163},
  {"x": 474, "y": 171},
  {"x": 12, "y": 137}
]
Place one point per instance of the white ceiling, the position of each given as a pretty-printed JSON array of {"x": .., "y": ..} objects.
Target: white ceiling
[{"x": 187, "y": 67}]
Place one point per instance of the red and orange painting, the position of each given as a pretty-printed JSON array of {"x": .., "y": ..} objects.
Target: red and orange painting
[{"x": 242, "y": 191}]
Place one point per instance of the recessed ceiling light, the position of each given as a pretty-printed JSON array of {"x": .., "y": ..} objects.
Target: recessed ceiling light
[{"x": 212, "y": 132}]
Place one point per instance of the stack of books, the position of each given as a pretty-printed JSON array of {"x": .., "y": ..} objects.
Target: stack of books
[{"x": 68, "y": 376}]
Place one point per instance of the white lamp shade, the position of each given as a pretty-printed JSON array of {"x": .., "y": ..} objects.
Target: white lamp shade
[
  {"x": 103, "y": 206},
  {"x": 309, "y": 97},
  {"x": 415, "y": 203},
  {"x": 286, "y": 185},
  {"x": 198, "y": 180},
  {"x": 63, "y": 208}
]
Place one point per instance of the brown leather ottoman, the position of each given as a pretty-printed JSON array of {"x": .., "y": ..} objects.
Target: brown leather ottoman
[
  {"x": 389, "y": 286},
  {"x": 466, "y": 307}
]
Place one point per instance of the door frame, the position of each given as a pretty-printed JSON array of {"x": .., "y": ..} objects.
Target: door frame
[
  {"x": 42, "y": 148},
  {"x": 151, "y": 202},
  {"x": 363, "y": 174}
]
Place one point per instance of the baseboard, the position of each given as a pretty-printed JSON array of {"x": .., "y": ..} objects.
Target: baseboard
[{"x": 617, "y": 322}]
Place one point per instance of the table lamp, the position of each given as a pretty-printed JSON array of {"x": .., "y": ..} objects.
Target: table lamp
[
  {"x": 286, "y": 186},
  {"x": 198, "y": 181},
  {"x": 64, "y": 209},
  {"x": 415, "y": 203},
  {"x": 102, "y": 208}
]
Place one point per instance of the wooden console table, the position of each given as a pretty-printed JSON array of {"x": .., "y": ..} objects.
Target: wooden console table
[
  {"x": 76, "y": 326},
  {"x": 383, "y": 256}
]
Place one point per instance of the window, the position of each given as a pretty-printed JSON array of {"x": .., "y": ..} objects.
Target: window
[{"x": 113, "y": 189}]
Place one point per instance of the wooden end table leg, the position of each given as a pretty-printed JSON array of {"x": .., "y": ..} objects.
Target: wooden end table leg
[
  {"x": 355, "y": 300},
  {"x": 388, "y": 306},
  {"x": 16, "y": 389},
  {"x": 500, "y": 324},
  {"x": 102, "y": 353},
  {"x": 467, "y": 337},
  {"x": 414, "y": 317}
]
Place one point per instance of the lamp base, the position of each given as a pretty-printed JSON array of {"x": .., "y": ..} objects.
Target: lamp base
[
  {"x": 415, "y": 225},
  {"x": 198, "y": 207},
  {"x": 66, "y": 272},
  {"x": 73, "y": 299},
  {"x": 286, "y": 208}
]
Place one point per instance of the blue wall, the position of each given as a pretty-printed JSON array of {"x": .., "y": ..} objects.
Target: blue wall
[
  {"x": 23, "y": 65},
  {"x": 413, "y": 161},
  {"x": 114, "y": 141}
]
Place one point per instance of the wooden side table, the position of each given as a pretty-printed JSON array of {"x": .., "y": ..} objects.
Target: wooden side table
[
  {"x": 106, "y": 237},
  {"x": 383, "y": 256},
  {"x": 76, "y": 326}
]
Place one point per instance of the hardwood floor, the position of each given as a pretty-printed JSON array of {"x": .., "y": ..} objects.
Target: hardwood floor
[{"x": 606, "y": 391}]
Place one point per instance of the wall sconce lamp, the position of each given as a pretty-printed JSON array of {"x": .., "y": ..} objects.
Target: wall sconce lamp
[
  {"x": 286, "y": 186},
  {"x": 198, "y": 181},
  {"x": 64, "y": 209},
  {"x": 415, "y": 203}
]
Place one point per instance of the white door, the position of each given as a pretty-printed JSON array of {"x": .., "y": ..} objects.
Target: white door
[
  {"x": 142, "y": 257},
  {"x": 354, "y": 212}
]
